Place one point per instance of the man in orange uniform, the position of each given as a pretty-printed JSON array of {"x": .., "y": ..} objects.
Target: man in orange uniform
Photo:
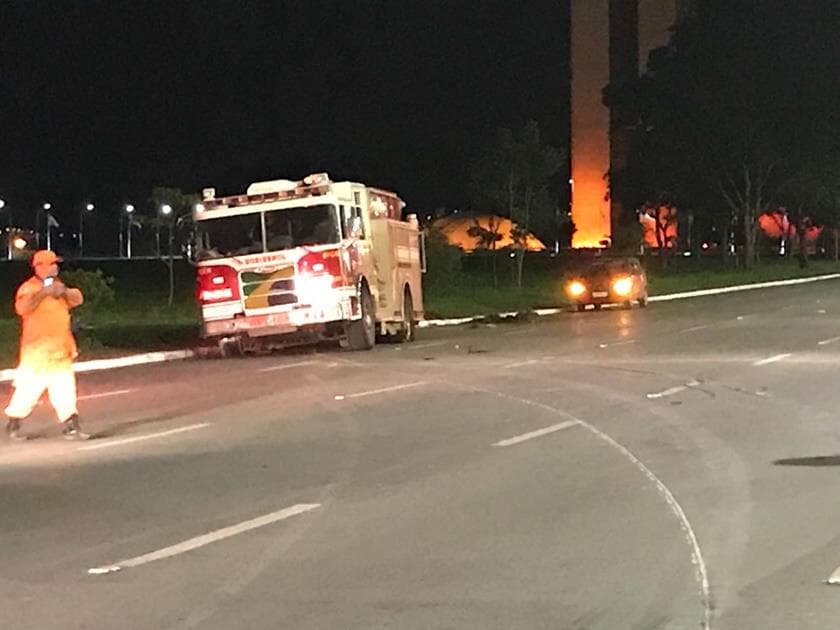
[{"x": 47, "y": 348}]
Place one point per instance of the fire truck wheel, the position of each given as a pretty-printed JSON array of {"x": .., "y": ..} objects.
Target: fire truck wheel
[
  {"x": 230, "y": 347},
  {"x": 361, "y": 333},
  {"x": 406, "y": 334}
]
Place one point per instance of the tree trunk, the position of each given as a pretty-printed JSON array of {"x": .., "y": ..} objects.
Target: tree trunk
[
  {"x": 750, "y": 235},
  {"x": 836, "y": 232},
  {"x": 520, "y": 266},
  {"x": 171, "y": 272},
  {"x": 802, "y": 245},
  {"x": 493, "y": 263},
  {"x": 724, "y": 241}
]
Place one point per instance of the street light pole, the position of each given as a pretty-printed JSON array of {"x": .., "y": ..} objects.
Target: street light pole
[
  {"x": 47, "y": 217},
  {"x": 8, "y": 230},
  {"x": 88, "y": 208},
  {"x": 129, "y": 210},
  {"x": 166, "y": 212}
]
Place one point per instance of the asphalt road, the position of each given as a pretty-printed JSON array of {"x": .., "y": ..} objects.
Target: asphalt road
[{"x": 675, "y": 467}]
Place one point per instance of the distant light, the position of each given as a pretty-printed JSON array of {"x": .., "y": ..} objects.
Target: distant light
[
  {"x": 199, "y": 207},
  {"x": 19, "y": 243},
  {"x": 47, "y": 206},
  {"x": 129, "y": 208},
  {"x": 89, "y": 207},
  {"x": 166, "y": 209},
  {"x": 687, "y": 254},
  {"x": 2, "y": 203}
]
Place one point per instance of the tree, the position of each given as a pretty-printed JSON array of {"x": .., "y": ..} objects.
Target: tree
[
  {"x": 180, "y": 217},
  {"x": 514, "y": 178},
  {"x": 664, "y": 215},
  {"x": 739, "y": 91},
  {"x": 487, "y": 237}
]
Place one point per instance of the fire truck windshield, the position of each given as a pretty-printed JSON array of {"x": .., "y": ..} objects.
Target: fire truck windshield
[{"x": 284, "y": 229}]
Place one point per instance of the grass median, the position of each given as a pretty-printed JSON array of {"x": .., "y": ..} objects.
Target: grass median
[{"x": 474, "y": 294}]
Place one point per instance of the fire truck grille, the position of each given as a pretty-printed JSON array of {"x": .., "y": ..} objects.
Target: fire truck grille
[{"x": 270, "y": 288}]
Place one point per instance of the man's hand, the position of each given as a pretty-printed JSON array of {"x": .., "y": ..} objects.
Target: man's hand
[{"x": 57, "y": 289}]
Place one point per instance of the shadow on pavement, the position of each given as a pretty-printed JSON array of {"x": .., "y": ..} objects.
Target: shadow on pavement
[{"x": 820, "y": 460}]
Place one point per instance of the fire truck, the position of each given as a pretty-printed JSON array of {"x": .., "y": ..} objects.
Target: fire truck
[{"x": 295, "y": 262}]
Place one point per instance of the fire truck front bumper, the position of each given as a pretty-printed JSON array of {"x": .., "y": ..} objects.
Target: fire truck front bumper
[{"x": 278, "y": 323}]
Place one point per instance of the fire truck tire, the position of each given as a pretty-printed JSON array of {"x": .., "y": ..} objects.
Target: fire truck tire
[
  {"x": 230, "y": 348},
  {"x": 409, "y": 325},
  {"x": 361, "y": 333}
]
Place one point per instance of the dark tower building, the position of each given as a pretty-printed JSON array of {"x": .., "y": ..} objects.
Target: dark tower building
[{"x": 610, "y": 40}]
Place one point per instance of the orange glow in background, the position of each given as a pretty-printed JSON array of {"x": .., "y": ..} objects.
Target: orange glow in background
[
  {"x": 590, "y": 140},
  {"x": 777, "y": 225},
  {"x": 455, "y": 228},
  {"x": 590, "y": 209},
  {"x": 668, "y": 225}
]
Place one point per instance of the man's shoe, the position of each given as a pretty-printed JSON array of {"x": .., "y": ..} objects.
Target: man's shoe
[
  {"x": 13, "y": 431},
  {"x": 72, "y": 430}
]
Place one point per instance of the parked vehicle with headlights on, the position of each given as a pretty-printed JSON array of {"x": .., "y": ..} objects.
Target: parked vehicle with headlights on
[{"x": 608, "y": 281}]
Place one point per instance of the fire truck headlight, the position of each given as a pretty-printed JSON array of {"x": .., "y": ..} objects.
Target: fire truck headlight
[{"x": 314, "y": 289}]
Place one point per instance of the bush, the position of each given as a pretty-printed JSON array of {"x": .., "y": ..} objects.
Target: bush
[
  {"x": 96, "y": 289},
  {"x": 443, "y": 261}
]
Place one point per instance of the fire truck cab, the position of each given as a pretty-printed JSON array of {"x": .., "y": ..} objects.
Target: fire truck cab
[{"x": 292, "y": 262}]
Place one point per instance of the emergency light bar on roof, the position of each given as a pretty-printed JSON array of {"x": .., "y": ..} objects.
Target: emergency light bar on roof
[{"x": 264, "y": 192}]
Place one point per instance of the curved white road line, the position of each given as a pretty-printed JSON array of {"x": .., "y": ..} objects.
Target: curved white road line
[{"x": 701, "y": 574}]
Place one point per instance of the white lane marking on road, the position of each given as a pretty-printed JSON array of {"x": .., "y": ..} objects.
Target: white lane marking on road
[
  {"x": 618, "y": 343},
  {"x": 286, "y": 366},
  {"x": 825, "y": 342},
  {"x": 773, "y": 359},
  {"x": 117, "y": 392},
  {"x": 821, "y": 311},
  {"x": 702, "y": 573},
  {"x": 140, "y": 438},
  {"x": 522, "y": 363},
  {"x": 206, "y": 539},
  {"x": 694, "y": 328},
  {"x": 383, "y": 390},
  {"x": 538, "y": 433},
  {"x": 625, "y": 343},
  {"x": 668, "y": 392},
  {"x": 834, "y": 578}
]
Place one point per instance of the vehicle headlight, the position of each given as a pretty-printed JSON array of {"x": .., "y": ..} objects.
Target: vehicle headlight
[
  {"x": 623, "y": 286},
  {"x": 576, "y": 288}
]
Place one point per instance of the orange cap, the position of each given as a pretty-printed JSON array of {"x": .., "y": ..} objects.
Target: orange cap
[{"x": 45, "y": 257}]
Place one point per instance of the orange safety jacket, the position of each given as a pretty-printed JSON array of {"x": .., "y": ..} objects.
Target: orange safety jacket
[{"x": 46, "y": 339}]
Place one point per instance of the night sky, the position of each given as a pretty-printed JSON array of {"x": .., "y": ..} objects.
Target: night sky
[{"x": 103, "y": 100}]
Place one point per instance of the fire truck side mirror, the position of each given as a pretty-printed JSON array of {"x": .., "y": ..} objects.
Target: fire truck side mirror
[{"x": 357, "y": 228}]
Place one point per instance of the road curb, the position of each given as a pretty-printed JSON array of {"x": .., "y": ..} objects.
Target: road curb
[
  {"x": 178, "y": 355},
  {"x": 540, "y": 312},
  {"x": 117, "y": 362}
]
